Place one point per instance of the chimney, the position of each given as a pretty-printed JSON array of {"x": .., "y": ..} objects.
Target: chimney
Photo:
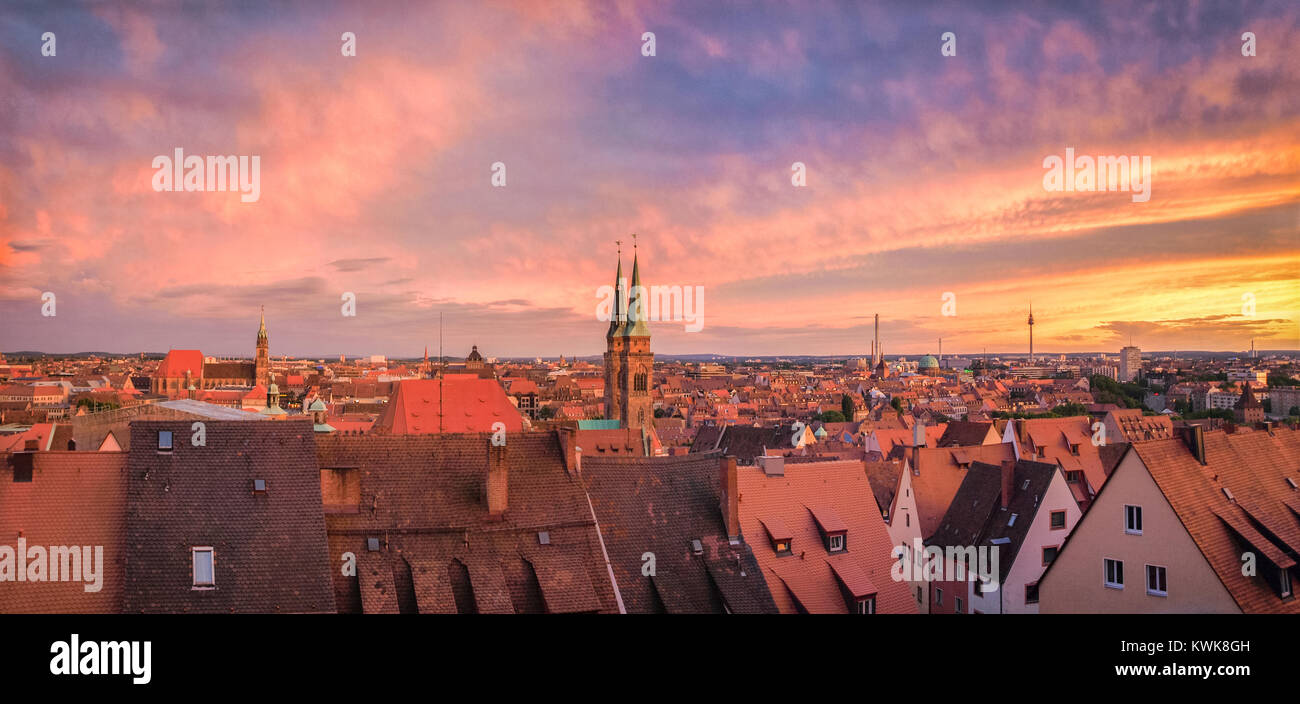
[
  {"x": 729, "y": 500},
  {"x": 1008, "y": 481},
  {"x": 572, "y": 453},
  {"x": 498, "y": 484}
]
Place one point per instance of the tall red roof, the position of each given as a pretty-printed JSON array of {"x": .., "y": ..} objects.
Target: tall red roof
[
  {"x": 466, "y": 403},
  {"x": 177, "y": 362}
]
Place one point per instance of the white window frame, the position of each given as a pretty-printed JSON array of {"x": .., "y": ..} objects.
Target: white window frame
[
  {"x": 831, "y": 541},
  {"x": 956, "y": 606},
  {"x": 938, "y": 596},
  {"x": 1106, "y": 572},
  {"x": 1132, "y": 511},
  {"x": 1164, "y": 573},
  {"x": 867, "y": 606},
  {"x": 212, "y": 566}
]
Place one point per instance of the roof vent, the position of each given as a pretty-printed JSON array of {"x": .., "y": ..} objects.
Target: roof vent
[
  {"x": 697, "y": 547},
  {"x": 543, "y": 537},
  {"x": 1228, "y": 493},
  {"x": 372, "y": 544},
  {"x": 1291, "y": 482}
]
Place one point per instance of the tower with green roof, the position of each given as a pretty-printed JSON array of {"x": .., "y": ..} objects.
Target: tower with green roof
[{"x": 629, "y": 363}]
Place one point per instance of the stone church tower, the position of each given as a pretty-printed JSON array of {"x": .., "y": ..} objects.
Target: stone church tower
[
  {"x": 263, "y": 365},
  {"x": 629, "y": 363}
]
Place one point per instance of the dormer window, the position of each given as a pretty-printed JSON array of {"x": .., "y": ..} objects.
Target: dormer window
[
  {"x": 778, "y": 534},
  {"x": 833, "y": 530},
  {"x": 867, "y": 605}
]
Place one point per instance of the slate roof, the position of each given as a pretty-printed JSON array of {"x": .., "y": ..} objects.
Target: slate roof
[
  {"x": 812, "y": 580},
  {"x": 659, "y": 505},
  {"x": 269, "y": 548},
  {"x": 1262, "y": 517},
  {"x": 422, "y": 497},
  {"x": 976, "y": 516},
  {"x": 745, "y": 442},
  {"x": 883, "y": 478},
  {"x": 74, "y": 498},
  {"x": 960, "y": 432}
]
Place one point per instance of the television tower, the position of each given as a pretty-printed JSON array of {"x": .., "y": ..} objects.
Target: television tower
[{"x": 1031, "y": 334}]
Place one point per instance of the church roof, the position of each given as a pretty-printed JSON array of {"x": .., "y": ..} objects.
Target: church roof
[
  {"x": 177, "y": 362},
  {"x": 467, "y": 403}
]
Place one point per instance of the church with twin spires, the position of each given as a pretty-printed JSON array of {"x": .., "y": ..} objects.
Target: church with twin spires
[{"x": 629, "y": 363}]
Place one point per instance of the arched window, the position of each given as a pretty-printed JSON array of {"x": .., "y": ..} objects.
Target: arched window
[{"x": 638, "y": 383}]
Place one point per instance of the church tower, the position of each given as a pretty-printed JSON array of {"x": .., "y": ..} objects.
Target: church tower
[
  {"x": 614, "y": 345},
  {"x": 629, "y": 363},
  {"x": 262, "y": 367}
]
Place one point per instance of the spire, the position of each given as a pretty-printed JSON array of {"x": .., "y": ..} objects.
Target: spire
[
  {"x": 616, "y": 313},
  {"x": 261, "y": 330},
  {"x": 638, "y": 305}
]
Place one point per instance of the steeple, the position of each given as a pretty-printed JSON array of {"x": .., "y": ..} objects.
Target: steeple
[
  {"x": 617, "y": 312},
  {"x": 262, "y": 358},
  {"x": 638, "y": 304}
]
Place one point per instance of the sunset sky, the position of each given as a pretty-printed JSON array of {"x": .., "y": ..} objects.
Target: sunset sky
[{"x": 924, "y": 175}]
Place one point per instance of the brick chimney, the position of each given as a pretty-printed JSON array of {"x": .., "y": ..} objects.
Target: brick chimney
[
  {"x": 497, "y": 488},
  {"x": 729, "y": 500},
  {"x": 1008, "y": 481},
  {"x": 569, "y": 447}
]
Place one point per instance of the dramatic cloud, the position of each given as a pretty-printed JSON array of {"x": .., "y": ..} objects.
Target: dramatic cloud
[{"x": 924, "y": 175}]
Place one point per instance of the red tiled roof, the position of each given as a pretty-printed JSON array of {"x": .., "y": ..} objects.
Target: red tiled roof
[
  {"x": 469, "y": 404},
  {"x": 809, "y": 580},
  {"x": 1254, "y": 467},
  {"x": 74, "y": 498},
  {"x": 177, "y": 362}
]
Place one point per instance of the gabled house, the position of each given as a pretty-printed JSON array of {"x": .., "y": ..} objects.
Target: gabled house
[
  {"x": 1207, "y": 522},
  {"x": 1020, "y": 509}
]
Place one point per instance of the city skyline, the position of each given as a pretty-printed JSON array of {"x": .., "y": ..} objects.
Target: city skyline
[{"x": 924, "y": 177}]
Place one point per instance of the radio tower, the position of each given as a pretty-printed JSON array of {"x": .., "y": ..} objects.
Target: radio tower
[{"x": 1031, "y": 334}]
